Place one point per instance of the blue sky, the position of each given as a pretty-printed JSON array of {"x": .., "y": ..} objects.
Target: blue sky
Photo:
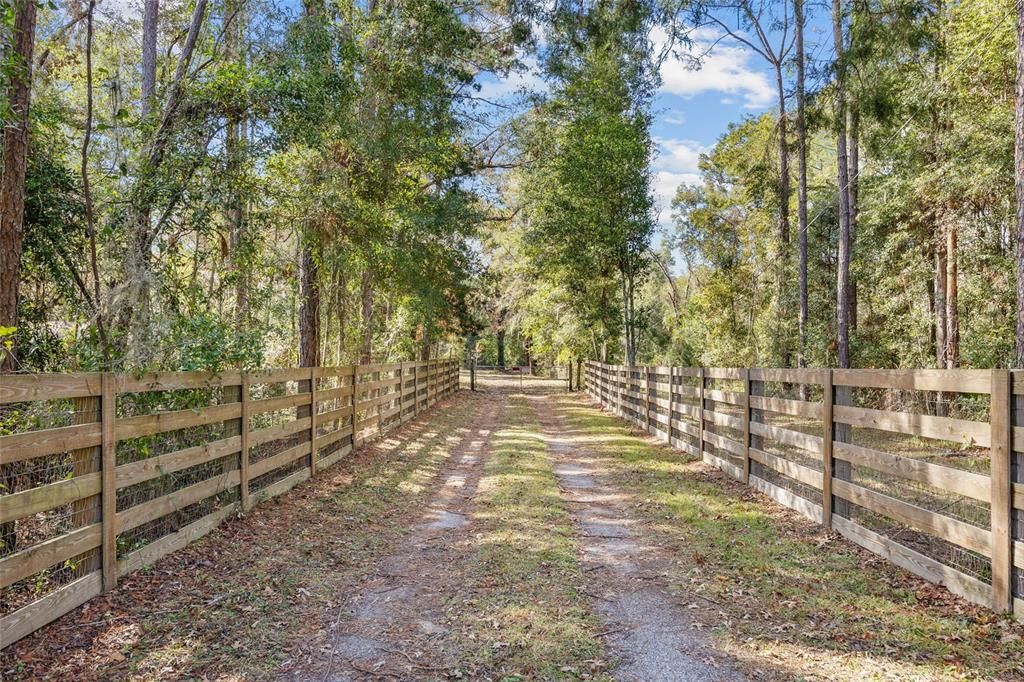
[{"x": 694, "y": 107}]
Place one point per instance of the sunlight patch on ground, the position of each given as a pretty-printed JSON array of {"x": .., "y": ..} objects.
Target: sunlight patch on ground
[
  {"x": 779, "y": 591},
  {"x": 526, "y": 613}
]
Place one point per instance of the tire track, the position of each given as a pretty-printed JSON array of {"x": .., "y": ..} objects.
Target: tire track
[
  {"x": 650, "y": 633},
  {"x": 394, "y": 626}
]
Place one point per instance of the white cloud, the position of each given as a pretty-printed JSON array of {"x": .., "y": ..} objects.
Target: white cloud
[
  {"x": 680, "y": 156},
  {"x": 676, "y": 163},
  {"x": 726, "y": 68}
]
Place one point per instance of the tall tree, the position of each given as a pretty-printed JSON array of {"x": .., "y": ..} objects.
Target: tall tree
[
  {"x": 799, "y": 18},
  {"x": 150, "y": 25},
  {"x": 843, "y": 184},
  {"x": 12, "y": 182},
  {"x": 763, "y": 26},
  {"x": 1018, "y": 164}
]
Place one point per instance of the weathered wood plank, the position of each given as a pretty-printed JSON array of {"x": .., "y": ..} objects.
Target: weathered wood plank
[
  {"x": 328, "y": 394},
  {"x": 176, "y": 381},
  {"x": 333, "y": 458},
  {"x": 723, "y": 419},
  {"x": 282, "y": 402},
  {"x": 925, "y": 425},
  {"x": 172, "y": 542},
  {"x": 949, "y": 380},
  {"x": 794, "y": 470},
  {"x": 796, "y": 408},
  {"x": 285, "y": 484},
  {"x": 161, "y": 422},
  {"x": 334, "y": 415},
  {"x": 331, "y": 436},
  {"x": 787, "y": 498},
  {"x": 723, "y": 465},
  {"x": 245, "y": 422},
  {"x": 31, "y": 617},
  {"x": 44, "y": 497},
  {"x": 108, "y": 471},
  {"x": 283, "y": 458},
  {"x": 920, "y": 565},
  {"x": 941, "y": 526},
  {"x": 35, "y": 558},
  {"x": 724, "y": 442},
  {"x": 134, "y": 517},
  {"x": 17, "y": 388},
  {"x": 827, "y": 447},
  {"x": 805, "y": 441},
  {"x": 686, "y": 427},
  {"x": 790, "y": 375},
  {"x": 723, "y": 373},
  {"x": 957, "y": 481},
  {"x": 27, "y": 445},
  {"x": 276, "y": 376},
  {"x": 270, "y": 433},
  {"x": 728, "y": 397},
  {"x": 147, "y": 469}
]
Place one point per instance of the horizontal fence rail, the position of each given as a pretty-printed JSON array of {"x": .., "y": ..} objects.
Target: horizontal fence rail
[
  {"x": 923, "y": 467},
  {"x": 102, "y": 474}
]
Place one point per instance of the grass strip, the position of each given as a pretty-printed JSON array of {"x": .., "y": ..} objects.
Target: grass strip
[
  {"x": 521, "y": 614},
  {"x": 781, "y": 592}
]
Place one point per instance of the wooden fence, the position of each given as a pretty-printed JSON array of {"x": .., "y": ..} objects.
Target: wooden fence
[
  {"x": 923, "y": 467},
  {"x": 105, "y": 473}
]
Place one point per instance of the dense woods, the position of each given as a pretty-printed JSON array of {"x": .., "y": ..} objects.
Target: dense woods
[{"x": 218, "y": 183}]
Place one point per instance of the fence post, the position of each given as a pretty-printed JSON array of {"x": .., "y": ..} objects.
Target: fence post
[
  {"x": 1001, "y": 507},
  {"x": 312, "y": 421},
  {"x": 828, "y": 432},
  {"x": 620, "y": 383},
  {"x": 647, "y": 398},
  {"x": 378, "y": 393},
  {"x": 355, "y": 402},
  {"x": 243, "y": 458},
  {"x": 108, "y": 445},
  {"x": 401, "y": 393},
  {"x": 472, "y": 374},
  {"x": 700, "y": 413},
  {"x": 87, "y": 511},
  {"x": 746, "y": 425},
  {"x": 416, "y": 388}
]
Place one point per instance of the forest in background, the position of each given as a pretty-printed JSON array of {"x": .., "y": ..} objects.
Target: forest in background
[{"x": 220, "y": 183}]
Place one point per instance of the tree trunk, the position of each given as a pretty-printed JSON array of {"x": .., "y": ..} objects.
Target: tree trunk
[
  {"x": 309, "y": 311},
  {"x": 424, "y": 343},
  {"x": 853, "y": 147},
  {"x": 627, "y": 316},
  {"x": 234, "y": 148},
  {"x": 15, "y": 161},
  {"x": 137, "y": 266},
  {"x": 783, "y": 165},
  {"x": 150, "y": 21},
  {"x": 940, "y": 302},
  {"x": 801, "y": 136},
  {"x": 501, "y": 348},
  {"x": 341, "y": 312},
  {"x": 843, "y": 267},
  {"x": 783, "y": 273},
  {"x": 366, "y": 322},
  {"x": 1018, "y": 163},
  {"x": 952, "y": 299}
]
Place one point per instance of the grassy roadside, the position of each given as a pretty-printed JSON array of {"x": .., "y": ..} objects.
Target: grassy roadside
[
  {"x": 253, "y": 599},
  {"x": 779, "y": 592},
  {"x": 520, "y": 614}
]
